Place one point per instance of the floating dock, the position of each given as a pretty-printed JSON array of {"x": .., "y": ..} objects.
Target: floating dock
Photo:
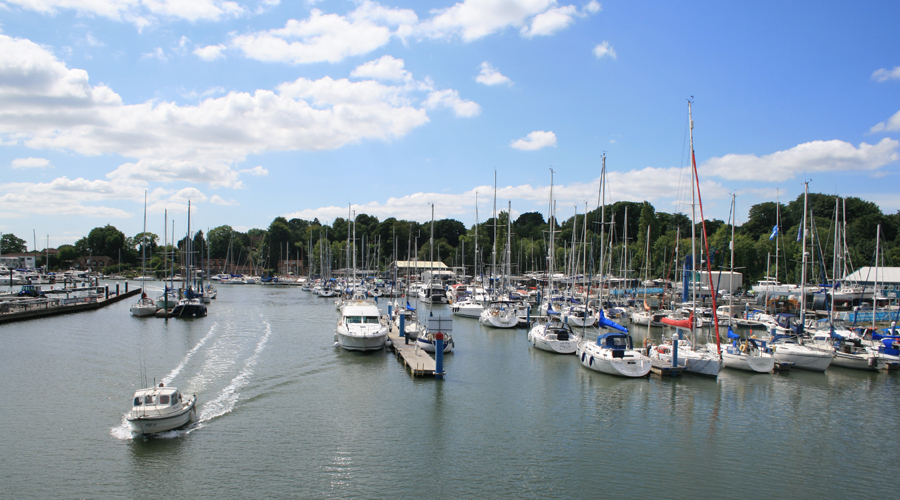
[
  {"x": 419, "y": 362},
  {"x": 665, "y": 369},
  {"x": 12, "y": 311}
]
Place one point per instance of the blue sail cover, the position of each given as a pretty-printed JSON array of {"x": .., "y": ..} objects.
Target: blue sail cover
[
  {"x": 608, "y": 323},
  {"x": 409, "y": 307},
  {"x": 732, "y": 335}
]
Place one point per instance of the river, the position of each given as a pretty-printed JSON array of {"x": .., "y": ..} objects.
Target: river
[{"x": 285, "y": 414}]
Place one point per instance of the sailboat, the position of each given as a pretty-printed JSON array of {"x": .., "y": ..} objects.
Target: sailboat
[
  {"x": 191, "y": 305},
  {"x": 613, "y": 353},
  {"x": 551, "y": 333},
  {"x": 145, "y": 306},
  {"x": 693, "y": 359}
]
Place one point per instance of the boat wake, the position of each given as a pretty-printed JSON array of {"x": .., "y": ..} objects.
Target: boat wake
[
  {"x": 187, "y": 357},
  {"x": 220, "y": 405},
  {"x": 226, "y": 400}
]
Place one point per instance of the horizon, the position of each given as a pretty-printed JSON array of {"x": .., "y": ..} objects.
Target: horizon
[{"x": 256, "y": 109}]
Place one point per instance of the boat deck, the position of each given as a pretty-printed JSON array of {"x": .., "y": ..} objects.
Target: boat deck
[{"x": 419, "y": 362}]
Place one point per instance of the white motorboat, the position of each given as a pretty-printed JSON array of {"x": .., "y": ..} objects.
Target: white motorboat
[
  {"x": 467, "y": 308},
  {"x": 787, "y": 350},
  {"x": 700, "y": 362},
  {"x": 554, "y": 335},
  {"x": 433, "y": 293},
  {"x": 145, "y": 306},
  {"x": 160, "y": 409},
  {"x": 361, "y": 327},
  {"x": 499, "y": 314}
]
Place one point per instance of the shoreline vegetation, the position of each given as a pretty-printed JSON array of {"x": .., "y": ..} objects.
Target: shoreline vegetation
[{"x": 299, "y": 245}]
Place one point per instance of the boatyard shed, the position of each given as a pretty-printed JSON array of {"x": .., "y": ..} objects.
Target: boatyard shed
[
  {"x": 419, "y": 267},
  {"x": 888, "y": 279}
]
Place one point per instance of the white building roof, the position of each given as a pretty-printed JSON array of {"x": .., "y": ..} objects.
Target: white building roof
[
  {"x": 867, "y": 275},
  {"x": 422, "y": 264}
]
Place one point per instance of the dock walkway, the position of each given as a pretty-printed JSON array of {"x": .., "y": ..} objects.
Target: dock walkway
[
  {"x": 12, "y": 311},
  {"x": 419, "y": 362}
]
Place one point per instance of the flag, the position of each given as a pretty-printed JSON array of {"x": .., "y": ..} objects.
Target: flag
[
  {"x": 774, "y": 232},
  {"x": 800, "y": 233}
]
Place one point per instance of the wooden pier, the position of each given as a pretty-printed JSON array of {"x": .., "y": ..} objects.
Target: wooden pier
[
  {"x": 19, "y": 311},
  {"x": 665, "y": 369},
  {"x": 419, "y": 362}
]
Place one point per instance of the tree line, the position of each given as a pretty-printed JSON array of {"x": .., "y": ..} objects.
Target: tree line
[{"x": 629, "y": 249}]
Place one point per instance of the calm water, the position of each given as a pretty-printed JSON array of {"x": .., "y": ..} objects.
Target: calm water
[{"x": 283, "y": 413}]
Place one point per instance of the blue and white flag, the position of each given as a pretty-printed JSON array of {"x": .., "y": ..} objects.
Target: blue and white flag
[
  {"x": 800, "y": 233},
  {"x": 774, "y": 232}
]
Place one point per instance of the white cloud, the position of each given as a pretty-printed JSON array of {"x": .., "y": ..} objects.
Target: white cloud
[
  {"x": 385, "y": 68},
  {"x": 490, "y": 76},
  {"x": 815, "y": 156},
  {"x": 474, "y": 19},
  {"x": 883, "y": 75},
  {"x": 188, "y": 194},
  {"x": 64, "y": 196},
  {"x": 593, "y": 7},
  {"x": 49, "y": 106},
  {"x": 534, "y": 141},
  {"x": 31, "y": 163},
  {"x": 604, "y": 50},
  {"x": 326, "y": 37},
  {"x": 891, "y": 125},
  {"x": 450, "y": 99},
  {"x": 258, "y": 171},
  {"x": 651, "y": 184},
  {"x": 210, "y": 52},
  {"x": 157, "y": 53},
  {"x": 218, "y": 200},
  {"x": 138, "y": 12},
  {"x": 551, "y": 21}
]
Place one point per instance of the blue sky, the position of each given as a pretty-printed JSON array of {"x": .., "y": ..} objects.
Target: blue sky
[{"x": 264, "y": 108}]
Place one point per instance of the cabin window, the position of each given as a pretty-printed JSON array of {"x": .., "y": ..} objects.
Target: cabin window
[
  {"x": 137, "y": 401},
  {"x": 164, "y": 399},
  {"x": 148, "y": 399}
]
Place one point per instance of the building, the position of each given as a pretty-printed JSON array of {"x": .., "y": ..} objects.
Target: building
[
  {"x": 888, "y": 279},
  {"x": 420, "y": 268}
]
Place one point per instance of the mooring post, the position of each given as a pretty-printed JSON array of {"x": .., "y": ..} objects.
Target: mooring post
[
  {"x": 403, "y": 328},
  {"x": 117, "y": 289},
  {"x": 439, "y": 355},
  {"x": 675, "y": 340},
  {"x": 107, "y": 291},
  {"x": 126, "y": 287}
]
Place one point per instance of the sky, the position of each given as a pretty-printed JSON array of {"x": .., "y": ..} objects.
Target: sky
[{"x": 255, "y": 109}]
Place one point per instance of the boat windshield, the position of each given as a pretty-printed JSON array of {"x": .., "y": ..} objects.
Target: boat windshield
[
  {"x": 137, "y": 401},
  {"x": 362, "y": 319},
  {"x": 164, "y": 399}
]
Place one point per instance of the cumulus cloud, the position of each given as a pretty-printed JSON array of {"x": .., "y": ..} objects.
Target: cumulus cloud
[
  {"x": 257, "y": 171},
  {"x": 650, "y": 184},
  {"x": 139, "y": 12},
  {"x": 815, "y": 156},
  {"x": 210, "y": 52},
  {"x": 385, "y": 68},
  {"x": 49, "y": 106},
  {"x": 64, "y": 196},
  {"x": 218, "y": 200},
  {"x": 31, "y": 163},
  {"x": 891, "y": 125},
  {"x": 327, "y": 37},
  {"x": 490, "y": 76},
  {"x": 604, "y": 50},
  {"x": 883, "y": 75},
  {"x": 450, "y": 99},
  {"x": 158, "y": 53},
  {"x": 534, "y": 141}
]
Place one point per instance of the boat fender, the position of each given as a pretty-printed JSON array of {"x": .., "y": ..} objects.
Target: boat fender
[{"x": 591, "y": 363}]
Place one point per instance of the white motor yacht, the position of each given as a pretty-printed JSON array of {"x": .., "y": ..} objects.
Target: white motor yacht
[
  {"x": 160, "y": 409},
  {"x": 361, "y": 327}
]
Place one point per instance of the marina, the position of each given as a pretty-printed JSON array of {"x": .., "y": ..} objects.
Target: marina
[{"x": 276, "y": 397}]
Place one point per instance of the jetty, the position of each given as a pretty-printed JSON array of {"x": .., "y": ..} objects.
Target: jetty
[
  {"x": 419, "y": 362},
  {"x": 76, "y": 300}
]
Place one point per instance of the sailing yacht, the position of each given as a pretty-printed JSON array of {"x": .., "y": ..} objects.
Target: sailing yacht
[
  {"x": 144, "y": 306},
  {"x": 613, "y": 352},
  {"x": 552, "y": 334}
]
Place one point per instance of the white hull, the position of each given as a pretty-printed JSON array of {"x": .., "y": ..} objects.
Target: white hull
[
  {"x": 151, "y": 424},
  {"x": 499, "y": 319},
  {"x": 858, "y": 361},
  {"x": 357, "y": 343},
  {"x": 467, "y": 310},
  {"x": 804, "y": 358},
  {"x": 143, "y": 311},
  {"x": 762, "y": 363},
  {"x": 631, "y": 364},
  {"x": 693, "y": 362}
]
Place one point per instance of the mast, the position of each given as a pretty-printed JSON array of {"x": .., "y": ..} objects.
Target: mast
[
  {"x": 602, "y": 229},
  {"x": 494, "y": 248},
  {"x": 550, "y": 264},
  {"x": 804, "y": 259},
  {"x": 508, "y": 243},
  {"x": 875, "y": 287},
  {"x": 731, "y": 272},
  {"x": 475, "y": 264}
]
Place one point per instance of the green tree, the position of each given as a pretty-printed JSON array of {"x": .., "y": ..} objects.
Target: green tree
[
  {"x": 106, "y": 241},
  {"x": 9, "y": 243}
]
